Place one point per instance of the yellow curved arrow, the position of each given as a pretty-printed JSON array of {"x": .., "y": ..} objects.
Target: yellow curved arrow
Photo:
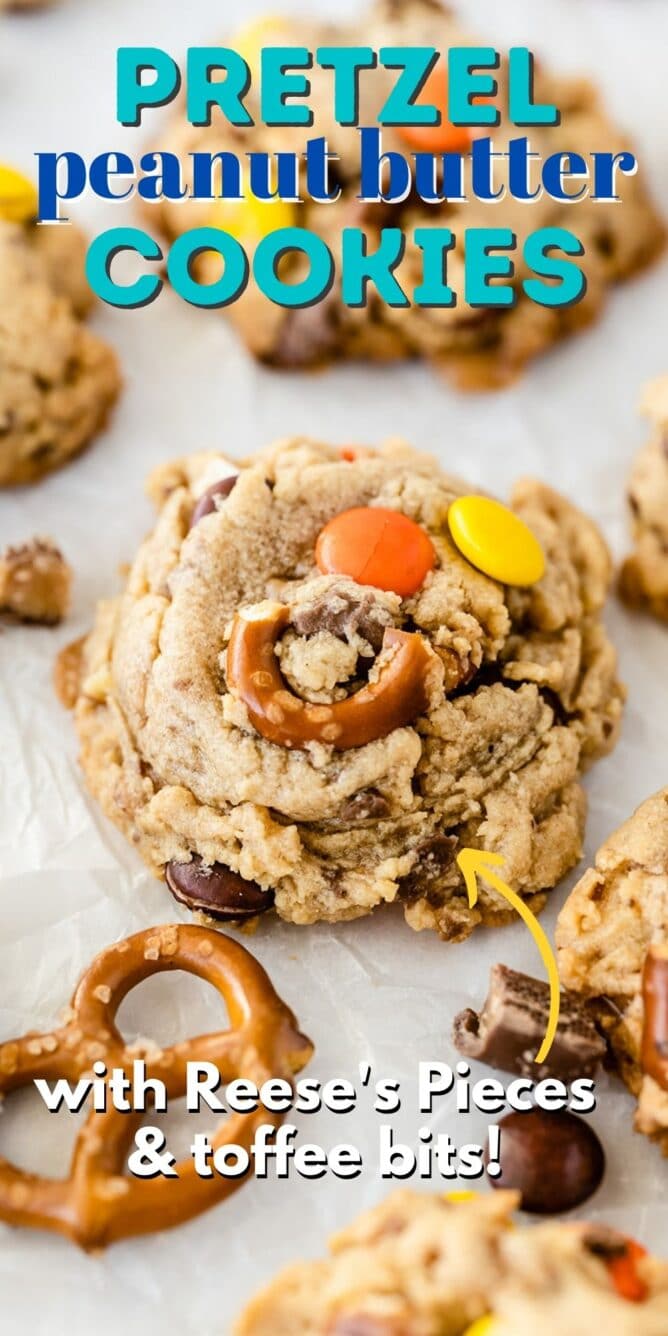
[{"x": 474, "y": 863}]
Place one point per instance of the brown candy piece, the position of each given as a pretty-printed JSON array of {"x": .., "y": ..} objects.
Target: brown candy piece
[
  {"x": 216, "y": 890},
  {"x": 207, "y": 502},
  {"x": 510, "y": 1028},
  {"x": 555, "y": 1160},
  {"x": 654, "y": 1055},
  {"x": 396, "y": 698}
]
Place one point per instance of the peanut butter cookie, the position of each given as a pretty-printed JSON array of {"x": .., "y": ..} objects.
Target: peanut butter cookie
[
  {"x": 477, "y": 347},
  {"x": 58, "y": 381},
  {"x": 644, "y": 577},
  {"x": 421, "y": 1265},
  {"x": 307, "y": 697},
  {"x": 612, "y": 937}
]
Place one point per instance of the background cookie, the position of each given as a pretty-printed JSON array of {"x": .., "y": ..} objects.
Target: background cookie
[
  {"x": 58, "y": 380},
  {"x": 643, "y": 581},
  {"x": 617, "y": 912},
  {"x": 420, "y": 1263},
  {"x": 477, "y": 349}
]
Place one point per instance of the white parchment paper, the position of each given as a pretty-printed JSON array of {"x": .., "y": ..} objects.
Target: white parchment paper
[{"x": 366, "y": 992}]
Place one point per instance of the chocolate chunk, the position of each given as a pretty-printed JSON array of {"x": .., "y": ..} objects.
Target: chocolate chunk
[
  {"x": 367, "y": 805},
  {"x": 511, "y": 1027},
  {"x": 345, "y": 613},
  {"x": 654, "y": 1057},
  {"x": 554, "y": 1160},
  {"x": 207, "y": 502},
  {"x": 216, "y": 890},
  {"x": 434, "y": 857}
]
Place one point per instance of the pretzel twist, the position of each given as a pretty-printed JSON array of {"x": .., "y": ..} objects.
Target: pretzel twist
[
  {"x": 98, "y": 1204},
  {"x": 398, "y": 696}
]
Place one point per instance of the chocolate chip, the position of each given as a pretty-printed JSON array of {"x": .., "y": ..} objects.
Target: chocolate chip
[
  {"x": 367, "y": 805},
  {"x": 434, "y": 857},
  {"x": 216, "y": 890},
  {"x": 554, "y": 1160},
  {"x": 207, "y": 502},
  {"x": 511, "y": 1026}
]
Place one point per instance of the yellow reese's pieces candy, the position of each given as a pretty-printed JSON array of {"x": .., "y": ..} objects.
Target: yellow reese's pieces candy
[
  {"x": 496, "y": 541},
  {"x": 18, "y": 196},
  {"x": 267, "y": 30},
  {"x": 250, "y": 219}
]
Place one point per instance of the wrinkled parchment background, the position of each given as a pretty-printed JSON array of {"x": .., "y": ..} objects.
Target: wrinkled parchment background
[{"x": 369, "y": 991}]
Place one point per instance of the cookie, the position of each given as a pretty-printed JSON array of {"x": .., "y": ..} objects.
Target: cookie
[
  {"x": 35, "y": 582},
  {"x": 60, "y": 252},
  {"x": 58, "y": 381},
  {"x": 269, "y": 722},
  {"x": 615, "y": 918},
  {"x": 424, "y": 1265},
  {"x": 478, "y": 348},
  {"x": 61, "y": 255},
  {"x": 643, "y": 580}
]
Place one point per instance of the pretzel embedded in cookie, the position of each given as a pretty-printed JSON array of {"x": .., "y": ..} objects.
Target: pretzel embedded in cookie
[
  {"x": 98, "y": 1204},
  {"x": 655, "y": 1027},
  {"x": 399, "y": 694}
]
